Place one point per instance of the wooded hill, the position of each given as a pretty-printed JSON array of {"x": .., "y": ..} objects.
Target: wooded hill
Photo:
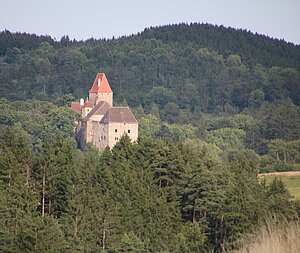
[
  {"x": 183, "y": 73},
  {"x": 194, "y": 65},
  {"x": 215, "y": 106}
]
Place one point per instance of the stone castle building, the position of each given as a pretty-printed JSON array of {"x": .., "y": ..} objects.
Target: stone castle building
[{"x": 101, "y": 123}]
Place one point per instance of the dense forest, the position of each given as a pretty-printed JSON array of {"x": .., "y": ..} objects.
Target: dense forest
[{"x": 215, "y": 105}]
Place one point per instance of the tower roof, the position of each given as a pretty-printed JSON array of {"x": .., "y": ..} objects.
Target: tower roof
[
  {"x": 101, "y": 84},
  {"x": 87, "y": 103}
]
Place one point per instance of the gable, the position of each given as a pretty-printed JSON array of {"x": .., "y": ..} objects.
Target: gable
[{"x": 100, "y": 109}]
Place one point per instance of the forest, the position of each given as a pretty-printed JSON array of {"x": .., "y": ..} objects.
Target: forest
[{"x": 216, "y": 106}]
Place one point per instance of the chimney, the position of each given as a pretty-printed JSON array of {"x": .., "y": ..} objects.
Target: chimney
[
  {"x": 99, "y": 80},
  {"x": 82, "y": 101}
]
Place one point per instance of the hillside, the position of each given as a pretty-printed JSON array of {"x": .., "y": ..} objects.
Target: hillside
[
  {"x": 253, "y": 48},
  {"x": 187, "y": 73},
  {"x": 215, "y": 107},
  {"x": 184, "y": 70},
  {"x": 193, "y": 65}
]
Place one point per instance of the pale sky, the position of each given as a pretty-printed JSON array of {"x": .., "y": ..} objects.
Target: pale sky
[{"x": 83, "y": 19}]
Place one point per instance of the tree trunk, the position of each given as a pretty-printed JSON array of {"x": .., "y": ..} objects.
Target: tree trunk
[
  {"x": 9, "y": 176},
  {"x": 194, "y": 212},
  {"x": 284, "y": 156},
  {"x": 27, "y": 174},
  {"x": 76, "y": 226},
  {"x": 103, "y": 238},
  {"x": 43, "y": 195},
  {"x": 50, "y": 206}
]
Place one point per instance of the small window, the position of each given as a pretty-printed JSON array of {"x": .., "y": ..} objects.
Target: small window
[
  {"x": 116, "y": 130},
  {"x": 128, "y": 131}
]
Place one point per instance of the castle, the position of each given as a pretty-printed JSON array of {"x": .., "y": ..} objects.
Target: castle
[{"x": 101, "y": 123}]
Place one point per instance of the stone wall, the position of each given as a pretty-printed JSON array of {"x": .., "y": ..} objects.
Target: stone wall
[
  {"x": 100, "y": 135},
  {"x": 117, "y": 130},
  {"x": 85, "y": 111},
  {"x": 107, "y": 97},
  {"x": 108, "y": 134},
  {"x": 93, "y": 97},
  {"x": 85, "y": 133}
]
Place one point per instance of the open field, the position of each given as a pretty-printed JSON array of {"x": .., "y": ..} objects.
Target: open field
[
  {"x": 290, "y": 178},
  {"x": 275, "y": 239}
]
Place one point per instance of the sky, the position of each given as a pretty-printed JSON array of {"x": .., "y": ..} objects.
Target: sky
[{"x": 84, "y": 19}]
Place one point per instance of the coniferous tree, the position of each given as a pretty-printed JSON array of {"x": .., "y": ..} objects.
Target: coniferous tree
[{"x": 18, "y": 199}]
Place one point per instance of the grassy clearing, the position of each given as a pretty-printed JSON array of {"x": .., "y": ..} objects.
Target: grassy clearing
[
  {"x": 275, "y": 239},
  {"x": 292, "y": 182}
]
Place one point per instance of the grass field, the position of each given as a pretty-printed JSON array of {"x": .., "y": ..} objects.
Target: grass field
[
  {"x": 275, "y": 239},
  {"x": 291, "y": 180}
]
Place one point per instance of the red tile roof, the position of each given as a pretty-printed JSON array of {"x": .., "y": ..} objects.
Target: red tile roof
[
  {"x": 87, "y": 103},
  {"x": 100, "y": 109},
  {"x": 119, "y": 115},
  {"x": 76, "y": 106},
  {"x": 101, "y": 84}
]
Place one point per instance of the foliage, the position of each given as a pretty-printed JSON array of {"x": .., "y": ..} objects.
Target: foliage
[
  {"x": 179, "y": 67},
  {"x": 150, "y": 196},
  {"x": 210, "y": 115}
]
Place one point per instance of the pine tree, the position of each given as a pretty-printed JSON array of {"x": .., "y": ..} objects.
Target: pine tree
[
  {"x": 56, "y": 166},
  {"x": 18, "y": 199},
  {"x": 244, "y": 208},
  {"x": 42, "y": 234},
  {"x": 131, "y": 243},
  {"x": 279, "y": 206}
]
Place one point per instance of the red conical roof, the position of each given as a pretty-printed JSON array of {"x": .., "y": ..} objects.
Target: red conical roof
[
  {"x": 101, "y": 84},
  {"x": 87, "y": 103}
]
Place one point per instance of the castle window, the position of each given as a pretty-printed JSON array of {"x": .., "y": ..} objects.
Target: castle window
[
  {"x": 116, "y": 130},
  {"x": 128, "y": 131}
]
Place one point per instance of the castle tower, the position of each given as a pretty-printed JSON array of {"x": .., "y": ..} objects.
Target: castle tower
[
  {"x": 101, "y": 91},
  {"x": 100, "y": 123},
  {"x": 87, "y": 107}
]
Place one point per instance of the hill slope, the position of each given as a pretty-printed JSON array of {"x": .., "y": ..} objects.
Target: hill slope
[
  {"x": 253, "y": 48},
  {"x": 194, "y": 66}
]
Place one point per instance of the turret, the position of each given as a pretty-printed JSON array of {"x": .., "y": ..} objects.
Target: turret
[{"x": 87, "y": 107}]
